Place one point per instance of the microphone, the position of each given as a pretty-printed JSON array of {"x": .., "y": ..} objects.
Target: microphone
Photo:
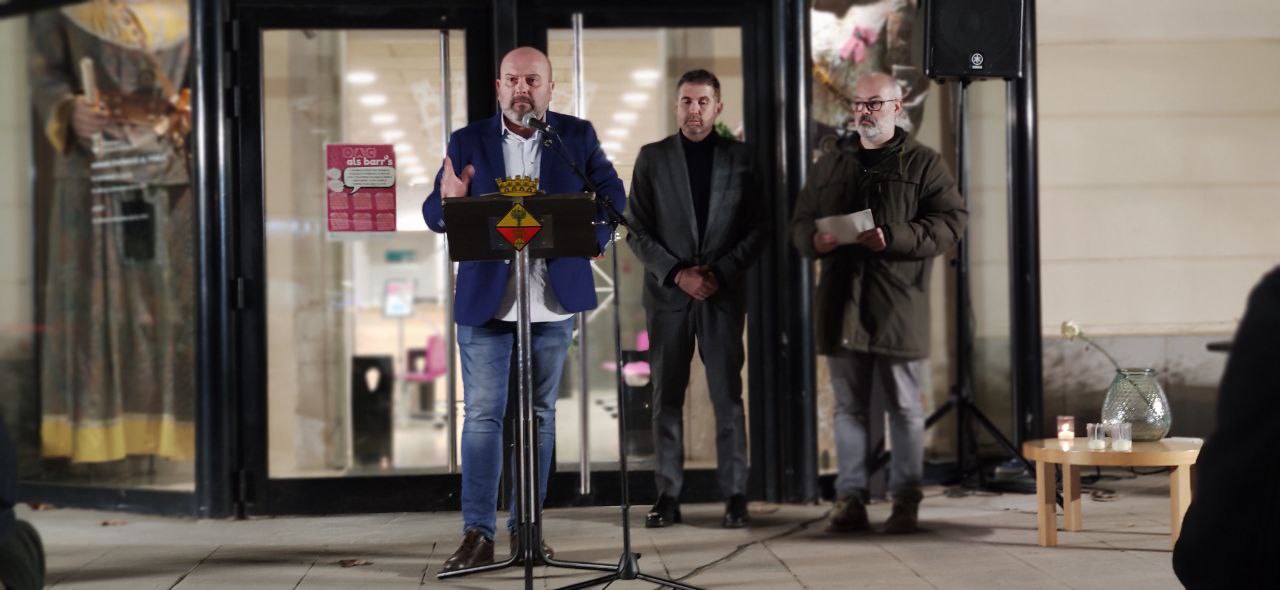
[{"x": 531, "y": 121}]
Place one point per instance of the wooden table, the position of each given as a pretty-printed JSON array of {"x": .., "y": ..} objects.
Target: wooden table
[{"x": 1177, "y": 453}]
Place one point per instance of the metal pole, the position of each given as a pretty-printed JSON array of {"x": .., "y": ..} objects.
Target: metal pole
[
  {"x": 808, "y": 488},
  {"x": 584, "y": 406},
  {"x": 1027, "y": 364},
  {"x": 528, "y": 429},
  {"x": 451, "y": 378},
  {"x": 217, "y": 455},
  {"x": 963, "y": 328}
]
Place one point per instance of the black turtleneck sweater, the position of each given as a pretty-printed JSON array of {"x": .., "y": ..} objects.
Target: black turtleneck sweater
[
  {"x": 698, "y": 157},
  {"x": 869, "y": 157}
]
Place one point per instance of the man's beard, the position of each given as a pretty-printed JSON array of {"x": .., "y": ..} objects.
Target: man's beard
[
  {"x": 515, "y": 116},
  {"x": 871, "y": 131}
]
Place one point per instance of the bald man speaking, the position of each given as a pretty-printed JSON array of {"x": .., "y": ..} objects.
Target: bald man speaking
[
  {"x": 872, "y": 302},
  {"x": 485, "y": 298}
]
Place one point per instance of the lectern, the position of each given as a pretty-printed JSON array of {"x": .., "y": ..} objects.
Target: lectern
[{"x": 501, "y": 227}]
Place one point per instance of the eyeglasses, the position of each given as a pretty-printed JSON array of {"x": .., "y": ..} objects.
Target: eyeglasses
[{"x": 870, "y": 105}]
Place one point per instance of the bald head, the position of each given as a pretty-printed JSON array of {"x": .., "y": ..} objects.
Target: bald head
[
  {"x": 524, "y": 85},
  {"x": 877, "y": 100},
  {"x": 522, "y": 58},
  {"x": 877, "y": 84}
]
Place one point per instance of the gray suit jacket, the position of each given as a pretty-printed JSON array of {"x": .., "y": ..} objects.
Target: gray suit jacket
[{"x": 664, "y": 232}]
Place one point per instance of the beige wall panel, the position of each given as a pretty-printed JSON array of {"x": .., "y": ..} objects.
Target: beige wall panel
[
  {"x": 15, "y": 189},
  {"x": 1159, "y": 223},
  {"x": 1149, "y": 296},
  {"x": 1089, "y": 151},
  {"x": 1175, "y": 79},
  {"x": 1094, "y": 21}
]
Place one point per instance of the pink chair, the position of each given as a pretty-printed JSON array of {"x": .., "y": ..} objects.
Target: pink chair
[
  {"x": 635, "y": 373},
  {"x": 434, "y": 363}
]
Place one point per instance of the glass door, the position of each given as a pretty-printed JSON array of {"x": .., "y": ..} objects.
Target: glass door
[
  {"x": 350, "y": 386},
  {"x": 357, "y": 288},
  {"x": 349, "y": 355},
  {"x": 622, "y": 78}
]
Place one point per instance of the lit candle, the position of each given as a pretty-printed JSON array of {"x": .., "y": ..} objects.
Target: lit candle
[{"x": 1066, "y": 427}]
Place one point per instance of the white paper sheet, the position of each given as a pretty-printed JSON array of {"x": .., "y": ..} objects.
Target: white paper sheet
[{"x": 847, "y": 227}]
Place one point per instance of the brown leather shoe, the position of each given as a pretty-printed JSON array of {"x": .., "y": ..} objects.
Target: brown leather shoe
[
  {"x": 547, "y": 551},
  {"x": 905, "y": 516},
  {"x": 476, "y": 549},
  {"x": 848, "y": 516}
]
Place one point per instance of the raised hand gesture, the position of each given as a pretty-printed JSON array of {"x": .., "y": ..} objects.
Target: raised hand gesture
[{"x": 452, "y": 185}]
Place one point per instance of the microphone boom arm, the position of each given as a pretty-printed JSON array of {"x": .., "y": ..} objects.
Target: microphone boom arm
[{"x": 552, "y": 140}]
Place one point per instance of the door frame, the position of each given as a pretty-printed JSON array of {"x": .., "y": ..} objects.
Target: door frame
[
  {"x": 762, "y": 112},
  {"x": 246, "y": 486},
  {"x": 253, "y": 491}
]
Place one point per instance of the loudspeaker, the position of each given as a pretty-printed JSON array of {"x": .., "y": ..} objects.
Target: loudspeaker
[{"x": 973, "y": 38}]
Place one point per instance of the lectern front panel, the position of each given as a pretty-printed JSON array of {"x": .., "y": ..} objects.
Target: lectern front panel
[{"x": 564, "y": 222}]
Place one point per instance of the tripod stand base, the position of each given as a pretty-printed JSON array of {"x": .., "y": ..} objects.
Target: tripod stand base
[
  {"x": 1012, "y": 476},
  {"x": 628, "y": 569}
]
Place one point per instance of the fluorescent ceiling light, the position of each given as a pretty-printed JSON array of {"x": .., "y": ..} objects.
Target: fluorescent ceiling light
[
  {"x": 625, "y": 117},
  {"x": 419, "y": 180},
  {"x": 404, "y": 146},
  {"x": 610, "y": 146},
  {"x": 373, "y": 100},
  {"x": 408, "y": 160},
  {"x": 617, "y": 132},
  {"x": 636, "y": 99},
  {"x": 416, "y": 171},
  {"x": 383, "y": 118},
  {"x": 646, "y": 77},
  {"x": 361, "y": 77},
  {"x": 391, "y": 135}
]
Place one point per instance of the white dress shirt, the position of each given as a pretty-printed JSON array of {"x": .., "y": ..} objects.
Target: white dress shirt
[{"x": 523, "y": 157}]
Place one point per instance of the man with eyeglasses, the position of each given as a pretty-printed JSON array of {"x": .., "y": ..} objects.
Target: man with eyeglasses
[{"x": 872, "y": 303}]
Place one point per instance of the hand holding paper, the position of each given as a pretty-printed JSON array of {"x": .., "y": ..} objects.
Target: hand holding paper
[{"x": 847, "y": 227}]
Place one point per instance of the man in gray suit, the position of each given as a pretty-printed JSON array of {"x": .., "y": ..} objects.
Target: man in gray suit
[{"x": 697, "y": 222}]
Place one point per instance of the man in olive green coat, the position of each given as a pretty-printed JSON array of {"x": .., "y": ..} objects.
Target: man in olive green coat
[{"x": 872, "y": 303}]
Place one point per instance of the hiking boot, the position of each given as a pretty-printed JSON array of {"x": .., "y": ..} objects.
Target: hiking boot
[
  {"x": 905, "y": 516},
  {"x": 848, "y": 516}
]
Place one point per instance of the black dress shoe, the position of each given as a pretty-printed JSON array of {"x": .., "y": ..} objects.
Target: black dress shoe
[
  {"x": 665, "y": 512},
  {"x": 735, "y": 512},
  {"x": 547, "y": 551},
  {"x": 476, "y": 549}
]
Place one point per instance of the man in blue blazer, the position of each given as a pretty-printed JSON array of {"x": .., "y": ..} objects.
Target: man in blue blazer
[{"x": 479, "y": 155}]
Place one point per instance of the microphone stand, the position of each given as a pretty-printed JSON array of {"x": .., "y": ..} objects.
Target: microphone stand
[{"x": 628, "y": 564}]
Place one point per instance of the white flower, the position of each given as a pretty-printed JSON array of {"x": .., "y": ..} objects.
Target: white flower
[{"x": 1072, "y": 331}]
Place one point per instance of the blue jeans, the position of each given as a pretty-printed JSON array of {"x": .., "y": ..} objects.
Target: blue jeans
[{"x": 486, "y": 364}]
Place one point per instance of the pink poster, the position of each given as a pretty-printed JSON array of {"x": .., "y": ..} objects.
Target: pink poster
[{"x": 361, "y": 186}]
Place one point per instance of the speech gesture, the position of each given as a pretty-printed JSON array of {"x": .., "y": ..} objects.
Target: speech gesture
[{"x": 452, "y": 185}]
